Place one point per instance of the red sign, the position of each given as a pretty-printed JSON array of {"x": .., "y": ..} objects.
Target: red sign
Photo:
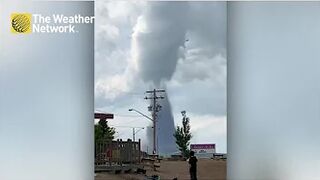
[{"x": 103, "y": 116}]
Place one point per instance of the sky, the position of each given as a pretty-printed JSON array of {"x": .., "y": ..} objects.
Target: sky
[{"x": 176, "y": 46}]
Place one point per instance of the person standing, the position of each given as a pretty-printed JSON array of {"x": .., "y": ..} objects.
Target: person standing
[{"x": 193, "y": 166}]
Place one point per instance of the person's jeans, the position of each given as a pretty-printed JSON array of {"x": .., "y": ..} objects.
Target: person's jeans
[{"x": 193, "y": 175}]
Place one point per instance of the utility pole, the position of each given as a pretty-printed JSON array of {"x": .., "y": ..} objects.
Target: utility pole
[{"x": 155, "y": 108}]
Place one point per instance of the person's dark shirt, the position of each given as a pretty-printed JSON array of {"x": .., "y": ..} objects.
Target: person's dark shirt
[{"x": 193, "y": 163}]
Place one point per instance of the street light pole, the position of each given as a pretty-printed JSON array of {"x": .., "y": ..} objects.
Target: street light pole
[
  {"x": 153, "y": 119},
  {"x": 134, "y": 132},
  {"x": 134, "y": 135}
]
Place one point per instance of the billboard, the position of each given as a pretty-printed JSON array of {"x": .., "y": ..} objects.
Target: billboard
[{"x": 203, "y": 148}]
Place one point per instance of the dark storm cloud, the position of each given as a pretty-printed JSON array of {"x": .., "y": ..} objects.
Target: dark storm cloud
[
  {"x": 198, "y": 32},
  {"x": 159, "y": 46},
  {"x": 207, "y": 21},
  {"x": 170, "y": 27}
]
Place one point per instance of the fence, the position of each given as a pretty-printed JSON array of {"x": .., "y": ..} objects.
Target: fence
[{"x": 117, "y": 153}]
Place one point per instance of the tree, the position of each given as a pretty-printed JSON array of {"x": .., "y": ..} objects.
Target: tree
[
  {"x": 103, "y": 132},
  {"x": 183, "y": 135}
]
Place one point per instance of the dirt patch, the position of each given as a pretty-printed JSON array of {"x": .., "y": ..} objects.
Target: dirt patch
[{"x": 207, "y": 170}]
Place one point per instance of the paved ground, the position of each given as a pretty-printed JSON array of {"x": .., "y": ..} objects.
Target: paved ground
[{"x": 207, "y": 170}]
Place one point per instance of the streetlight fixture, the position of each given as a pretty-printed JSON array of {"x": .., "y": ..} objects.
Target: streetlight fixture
[
  {"x": 141, "y": 114},
  {"x": 134, "y": 132},
  {"x": 154, "y": 129}
]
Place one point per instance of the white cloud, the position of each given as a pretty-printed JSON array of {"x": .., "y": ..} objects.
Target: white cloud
[
  {"x": 198, "y": 66},
  {"x": 111, "y": 87}
]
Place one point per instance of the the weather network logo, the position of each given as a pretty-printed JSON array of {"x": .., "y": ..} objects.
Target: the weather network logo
[
  {"x": 21, "y": 23},
  {"x": 24, "y": 23}
]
